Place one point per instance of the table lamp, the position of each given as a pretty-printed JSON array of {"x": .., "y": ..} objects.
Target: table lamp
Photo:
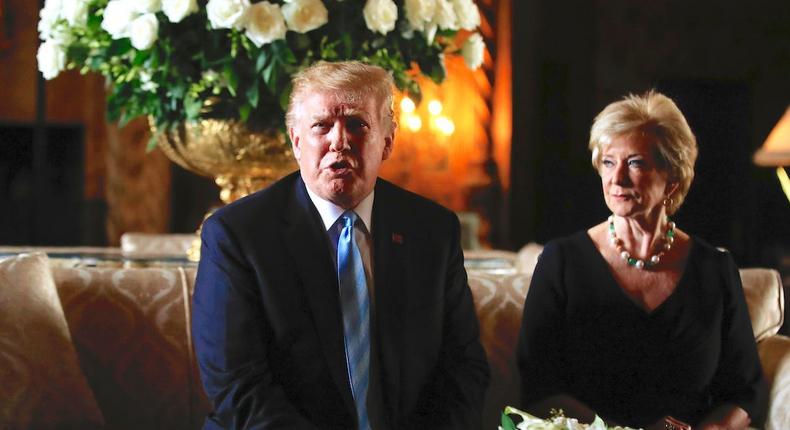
[{"x": 775, "y": 152}]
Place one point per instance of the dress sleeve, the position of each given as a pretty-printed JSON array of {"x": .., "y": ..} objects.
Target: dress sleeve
[
  {"x": 739, "y": 378},
  {"x": 540, "y": 350}
]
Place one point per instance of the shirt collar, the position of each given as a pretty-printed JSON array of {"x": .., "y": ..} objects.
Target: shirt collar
[{"x": 330, "y": 212}]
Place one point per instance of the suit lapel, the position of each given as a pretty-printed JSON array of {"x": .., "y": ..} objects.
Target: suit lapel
[
  {"x": 307, "y": 243},
  {"x": 391, "y": 243}
]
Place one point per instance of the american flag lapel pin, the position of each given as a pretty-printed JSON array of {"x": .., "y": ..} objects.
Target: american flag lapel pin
[{"x": 397, "y": 238}]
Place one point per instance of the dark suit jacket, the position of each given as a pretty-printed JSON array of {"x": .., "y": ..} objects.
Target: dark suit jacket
[{"x": 268, "y": 330}]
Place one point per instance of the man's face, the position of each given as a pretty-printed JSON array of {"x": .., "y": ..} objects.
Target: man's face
[{"x": 339, "y": 142}]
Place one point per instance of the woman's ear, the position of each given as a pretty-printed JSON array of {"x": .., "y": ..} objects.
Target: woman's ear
[{"x": 671, "y": 188}]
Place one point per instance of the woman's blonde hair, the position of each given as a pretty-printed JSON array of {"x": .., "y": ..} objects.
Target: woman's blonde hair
[
  {"x": 352, "y": 79},
  {"x": 655, "y": 114}
]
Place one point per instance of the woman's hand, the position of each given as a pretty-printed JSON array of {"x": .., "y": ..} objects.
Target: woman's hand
[{"x": 726, "y": 417}]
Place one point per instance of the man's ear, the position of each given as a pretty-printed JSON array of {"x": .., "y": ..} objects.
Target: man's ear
[
  {"x": 295, "y": 143},
  {"x": 388, "y": 142}
]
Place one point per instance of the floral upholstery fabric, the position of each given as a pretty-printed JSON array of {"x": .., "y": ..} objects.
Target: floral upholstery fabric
[
  {"x": 130, "y": 329},
  {"x": 499, "y": 300},
  {"x": 775, "y": 360}
]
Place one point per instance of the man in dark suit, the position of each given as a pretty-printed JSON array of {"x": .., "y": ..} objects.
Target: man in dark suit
[{"x": 334, "y": 299}]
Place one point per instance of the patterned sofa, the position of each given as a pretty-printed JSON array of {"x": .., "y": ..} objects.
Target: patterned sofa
[{"x": 109, "y": 347}]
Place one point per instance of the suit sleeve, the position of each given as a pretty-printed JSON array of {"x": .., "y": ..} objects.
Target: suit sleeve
[
  {"x": 739, "y": 377},
  {"x": 539, "y": 351},
  {"x": 230, "y": 336},
  {"x": 454, "y": 399}
]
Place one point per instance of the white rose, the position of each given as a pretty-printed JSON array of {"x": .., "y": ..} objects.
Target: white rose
[
  {"x": 147, "y": 6},
  {"x": 51, "y": 10},
  {"x": 51, "y": 59},
  {"x": 444, "y": 16},
  {"x": 380, "y": 15},
  {"x": 144, "y": 31},
  {"x": 118, "y": 15},
  {"x": 304, "y": 15},
  {"x": 265, "y": 23},
  {"x": 75, "y": 12},
  {"x": 227, "y": 13},
  {"x": 473, "y": 51},
  {"x": 176, "y": 10},
  {"x": 467, "y": 13},
  {"x": 419, "y": 12},
  {"x": 49, "y": 16}
]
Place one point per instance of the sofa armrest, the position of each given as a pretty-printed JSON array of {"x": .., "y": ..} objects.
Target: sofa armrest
[{"x": 775, "y": 358}]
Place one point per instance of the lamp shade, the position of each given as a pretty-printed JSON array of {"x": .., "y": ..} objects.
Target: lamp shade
[{"x": 776, "y": 149}]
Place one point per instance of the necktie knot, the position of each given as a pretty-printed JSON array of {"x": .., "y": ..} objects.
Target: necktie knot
[{"x": 349, "y": 219}]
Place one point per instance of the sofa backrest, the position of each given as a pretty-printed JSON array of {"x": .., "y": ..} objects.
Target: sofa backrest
[
  {"x": 499, "y": 300},
  {"x": 130, "y": 328}
]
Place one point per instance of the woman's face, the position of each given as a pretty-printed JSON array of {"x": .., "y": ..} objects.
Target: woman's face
[{"x": 633, "y": 183}]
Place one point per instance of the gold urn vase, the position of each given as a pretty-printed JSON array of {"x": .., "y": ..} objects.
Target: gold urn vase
[{"x": 240, "y": 160}]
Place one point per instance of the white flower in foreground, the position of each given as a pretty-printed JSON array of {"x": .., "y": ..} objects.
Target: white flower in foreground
[
  {"x": 176, "y": 10},
  {"x": 467, "y": 13},
  {"x": 118, "y": 15},
  {"x": 305, "y": 15},
  {"x": 48, "y": 17},
  {"x": 227, "y": 13},
  {"x": 380, "y": 15},
  {"x": 444, "y": 15},
  {"x": 75, "y": 12},
  {"x": 51, "y": 10},
  {"x": 144, "y": 31},
  {"x": 473, "y": 50},
  {"x": 147, "y": 6},
  {"x": 51, "y": 59},
  {"x": 265, "y": 23},
  {"x": 419, "y": 12}
]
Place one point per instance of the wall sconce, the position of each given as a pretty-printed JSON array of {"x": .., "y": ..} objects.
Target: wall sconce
[
  {"x": 775, "y": 152},
  {"x": 412, "y": 120}
]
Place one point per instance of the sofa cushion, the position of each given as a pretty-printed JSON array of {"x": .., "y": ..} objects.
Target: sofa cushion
[
  {"x": 43, "y": 386},
  {"x": 775, "y": 360},
  {"x": 527, "y": 257},
  {"x": 765, "y": 298},
  {"x": 130, "y": 328},
  {"x": 499, "y": 300}
]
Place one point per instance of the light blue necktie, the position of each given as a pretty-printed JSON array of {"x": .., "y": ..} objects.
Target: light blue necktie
[{"x": 355, "y": 304}]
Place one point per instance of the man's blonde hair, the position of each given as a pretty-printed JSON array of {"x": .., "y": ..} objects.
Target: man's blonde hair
[{"x": 352, "y": 79}]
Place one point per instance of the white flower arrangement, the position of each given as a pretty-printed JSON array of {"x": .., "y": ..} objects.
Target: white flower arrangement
[
  {"x": 165, "y": 58},
  {"x": 557, "y": 422}
]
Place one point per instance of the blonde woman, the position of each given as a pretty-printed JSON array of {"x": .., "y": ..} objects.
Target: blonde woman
[{"x": 634, "y": 319}]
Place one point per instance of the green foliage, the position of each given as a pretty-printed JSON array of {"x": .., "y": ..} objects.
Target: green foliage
[{"x": 507, "y": 422}]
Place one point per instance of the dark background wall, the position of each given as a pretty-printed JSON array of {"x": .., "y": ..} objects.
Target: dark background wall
[{"x": 725, "y": 63}]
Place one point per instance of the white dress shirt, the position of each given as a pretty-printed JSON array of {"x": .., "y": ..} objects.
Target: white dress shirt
[{"x": 330, "y": 214}]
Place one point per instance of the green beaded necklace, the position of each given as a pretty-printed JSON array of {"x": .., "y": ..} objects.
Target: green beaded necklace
[{"x": 669, "y": 239}]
